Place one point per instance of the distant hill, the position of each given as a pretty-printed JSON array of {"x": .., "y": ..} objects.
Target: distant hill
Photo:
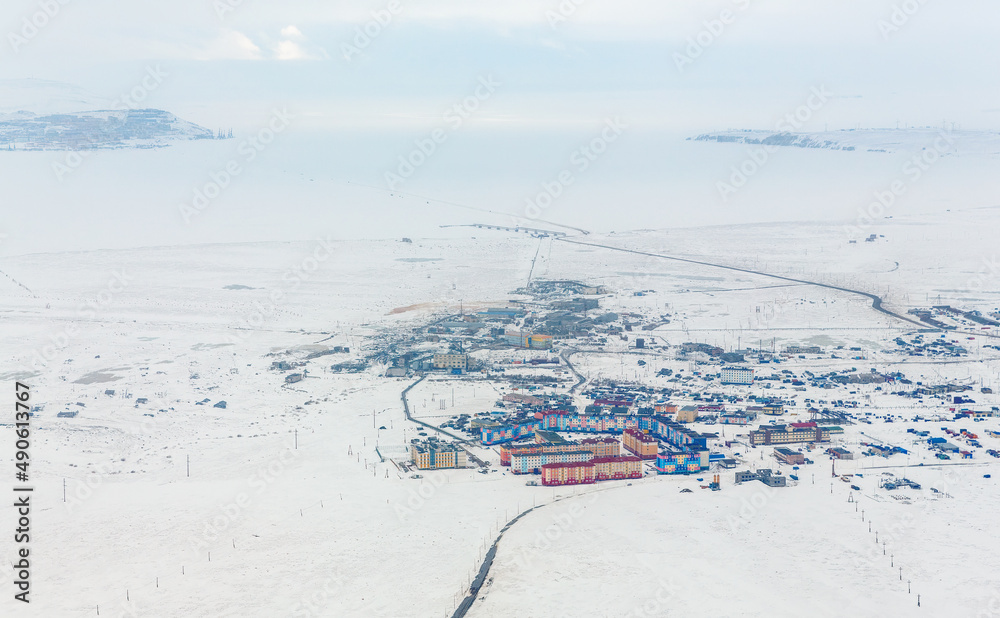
[
  {"x": 867, "y": 140},
  {"x": 139, "y": 128},
  {"x": 46, "y": 115}
]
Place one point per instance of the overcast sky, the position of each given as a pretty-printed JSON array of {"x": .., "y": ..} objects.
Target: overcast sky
[
  {"x": 919, "y": 62},
  {"x": 366, "y": 80}
]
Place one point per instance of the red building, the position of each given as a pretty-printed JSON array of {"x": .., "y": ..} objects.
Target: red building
[
  {"x": 640, "y": 444},
  {"x": 568, "y": 473}
]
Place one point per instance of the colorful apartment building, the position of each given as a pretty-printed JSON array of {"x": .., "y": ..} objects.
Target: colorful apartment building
[
  {"x": 508, "y": 450},
  {"x": 602, "y": 447},
  {"x": 640, "y": 444},
  {"x": 674, "y": 433},
  {"x": 507, "y": 433},
  {"x": 664, "y": 407},
  {"x": 531, "y": 463},
  {"x": 433, "y": 455},
  {"x": 568, "y": 473},
  {"x": 589, "y": 423},
  {"x": 687, "y": 450},
  {"x": 612, "y": 468},
  {"x": 681, "y": 462},
  {"x": 597, "y": 447}
]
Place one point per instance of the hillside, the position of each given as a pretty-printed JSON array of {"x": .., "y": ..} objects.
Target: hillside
[
  {"x": 46, "y": 115},
  {"x": 867, "y": 140}
]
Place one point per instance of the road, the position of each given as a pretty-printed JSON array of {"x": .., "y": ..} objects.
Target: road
[
  {"x": 877, "y": 304},
  {"x": 565, "y": 354}
]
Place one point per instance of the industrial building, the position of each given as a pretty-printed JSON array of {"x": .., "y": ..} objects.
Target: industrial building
[
  {"x": 840, "y": 453},
  {"x": 549, "y": 437},
  {"x": 452, "y": 360},
  {"x": 764, "y": 476},
  {"x": 540, "y": 342},
  {"x": 790, "y": 457}
]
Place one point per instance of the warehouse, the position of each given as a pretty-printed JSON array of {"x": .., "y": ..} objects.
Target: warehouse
[{"x": 790, "y": 457}]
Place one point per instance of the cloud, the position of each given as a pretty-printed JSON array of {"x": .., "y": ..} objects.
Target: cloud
[
  {"x": 290, "y": 50},
  {"x": 230, "y": 45},
  {"x": 291, "y": 32},
  {"x": 293, "y": 46}
]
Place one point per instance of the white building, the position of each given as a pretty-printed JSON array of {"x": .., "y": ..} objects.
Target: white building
[{"x": 737, "y": 375}]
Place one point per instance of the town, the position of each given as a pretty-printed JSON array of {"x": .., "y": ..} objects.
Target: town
[{"x": 688, "y": 408}]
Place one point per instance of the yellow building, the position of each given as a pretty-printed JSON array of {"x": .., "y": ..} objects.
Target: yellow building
[
  {"x": 687, "y": 414},
  {"x": 451, "y": 361},
  {"x": 434, "y": 455},
  {"x": 540, "y": 342}
]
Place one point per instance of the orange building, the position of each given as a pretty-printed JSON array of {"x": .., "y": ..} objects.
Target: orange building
[
  {"x": 640, "y": 444},
  {"x": 568, "y": 473},
  {"x": 602, "y": 447},
  {"x": 608, "y": 468}
]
